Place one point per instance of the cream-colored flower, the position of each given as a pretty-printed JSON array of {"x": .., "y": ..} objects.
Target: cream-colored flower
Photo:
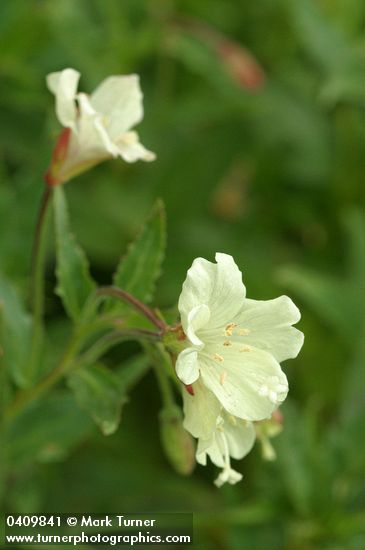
[
  {"x": 233, "y": 437},
  {"x": 220, "y": 435},
  {"x": 97, "y": 127},
  {"x": 235, "y": 344}
]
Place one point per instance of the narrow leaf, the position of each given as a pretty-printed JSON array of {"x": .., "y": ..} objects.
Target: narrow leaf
[
  {"x": 138, "y": 271},
  {"x": 15, "y": 333},
  {"x": 97, "y": 390},
  {"x": 74, "y": 283}
]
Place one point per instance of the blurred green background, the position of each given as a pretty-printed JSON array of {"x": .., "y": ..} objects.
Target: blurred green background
[{"x": 256, "y": 111}]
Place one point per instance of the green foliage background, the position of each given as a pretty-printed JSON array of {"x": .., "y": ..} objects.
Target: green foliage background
[{"x": 273, "y": 175}]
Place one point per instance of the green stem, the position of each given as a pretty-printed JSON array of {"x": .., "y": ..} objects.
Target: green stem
[
  {"x": 37, "y": 283},
  {"x": 135, "y": 303},
  {"x": 108, "y": 340},
  {"x": 164, "y": 373},
  {"x": 165, "y": 388},
  {"x": 68, "y": 361},
  {"x": 25, "y": 397}
]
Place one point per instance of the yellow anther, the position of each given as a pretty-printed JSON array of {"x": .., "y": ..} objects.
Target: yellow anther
[
  {"x": 222, "y": 378},
  {"x": 229, "y": 329},
  {"x": 227, "y": 343},
  {"x": 245, "y": 348},
  {"x": 218, "y": 357}
]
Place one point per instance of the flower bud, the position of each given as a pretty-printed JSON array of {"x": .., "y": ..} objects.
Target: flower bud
[
  {"x": 241, "y": 65},
  {"x": 267, "y": 429},
  {"x": 177, "y": 442}
]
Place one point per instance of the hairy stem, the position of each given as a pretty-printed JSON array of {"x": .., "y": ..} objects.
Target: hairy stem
[
  {"x": 25, "y": 397},
  {"x": 37, "y": 282},
  {"x": 70, "y": 361},
  {"x": 164, "y": 372},
  {"x": 108, "y": 340},
  {"x": 134, "y": 302}
]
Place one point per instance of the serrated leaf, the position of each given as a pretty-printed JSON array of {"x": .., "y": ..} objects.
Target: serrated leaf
[
  {"x": 98, "y": 391},
  {"x": 138, "y": 271},
  {"x": 47, "y": 430},
  {"x": 15, "y": 332},
  {"x": 74, "y": 283}
]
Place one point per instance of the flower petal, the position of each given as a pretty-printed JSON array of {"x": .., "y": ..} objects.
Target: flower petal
[
  {"x": 89, "y": 143},
  {"x": 249, "y": 383},
  {"x": 93, "y": 141},
  {"x": 63, "y": 85},
  {"x": 119, "y": 99},
  {"x": 219, "y": 286},
  {"x": 268, "y": 326},
  {"x": 211, "y": 448},
  {"x": 131, "y": 149},
  {"x": 197, "y": 318},
  {"x": 240, "y": 436},
  {"x": 201, "y": 411},
  {"x": 187, "y": 366}
]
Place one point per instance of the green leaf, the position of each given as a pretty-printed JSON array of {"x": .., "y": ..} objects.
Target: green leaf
[
  {"x": 99, "y": 392},
  {"x": 74, "y": 283},
  {"x": 15, "y": 333},
  {"x": 138, "y": 271},
  {"x": 47, "y": 430}
]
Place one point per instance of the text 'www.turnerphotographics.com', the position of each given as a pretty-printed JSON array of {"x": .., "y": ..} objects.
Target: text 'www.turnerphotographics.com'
[{"x": 99, "y": 529}]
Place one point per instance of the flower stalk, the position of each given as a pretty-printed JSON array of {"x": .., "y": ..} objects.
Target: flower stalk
[
  {"x": 139, "y": 306},
  {"x": 71, "y": 360},
  {"x": 37, "y": 282}
]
